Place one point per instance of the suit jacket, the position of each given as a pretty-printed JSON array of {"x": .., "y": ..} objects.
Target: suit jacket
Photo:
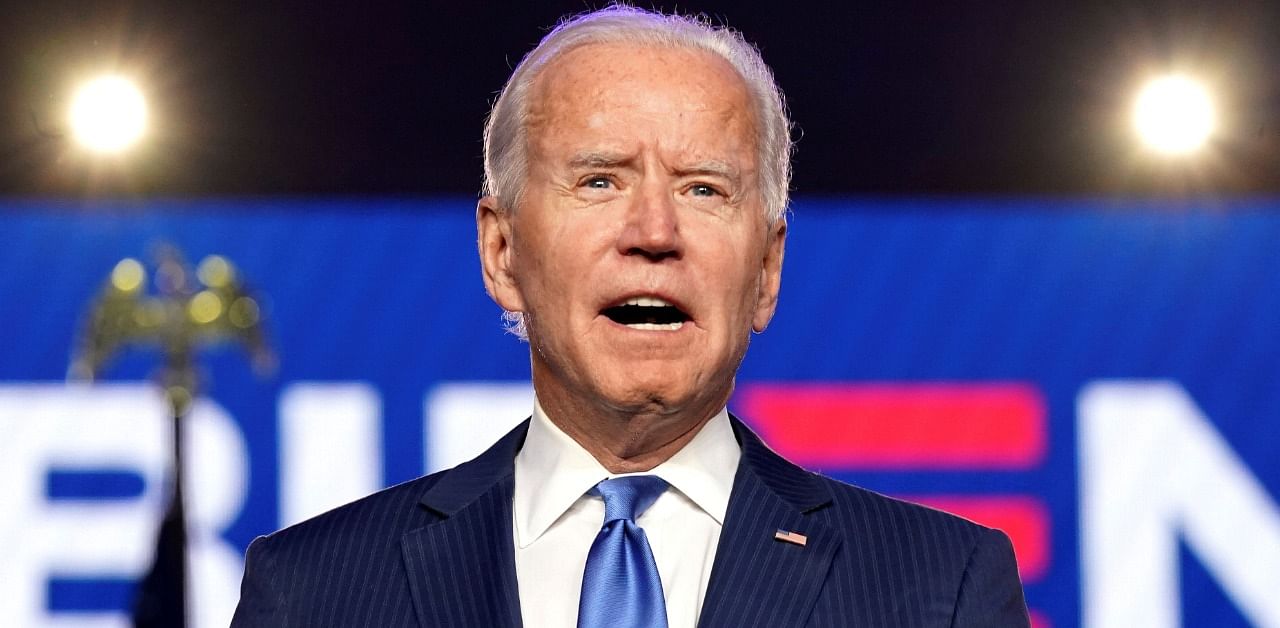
[{"x": 438, "y": 551}]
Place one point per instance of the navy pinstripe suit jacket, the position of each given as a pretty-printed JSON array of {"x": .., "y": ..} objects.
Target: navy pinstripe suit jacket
[{"x": 438, "y": 551}]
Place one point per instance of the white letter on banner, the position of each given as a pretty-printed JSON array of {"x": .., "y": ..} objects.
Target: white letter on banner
[
  {"x": 47, "y": 426},
  {"x": 217, "y": 483},
  {"x": 122, "y": 427},
  {"x": 330, "y": 447},
  {"x": 1152, "y": 468},
  {"x": 464, "y": 418}
]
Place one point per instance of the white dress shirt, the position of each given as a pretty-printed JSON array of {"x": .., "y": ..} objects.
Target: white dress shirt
[{"x": 556, "y": 521}]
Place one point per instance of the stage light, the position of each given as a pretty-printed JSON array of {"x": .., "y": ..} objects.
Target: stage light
[
  {"x": 1174, "y": 115},
  {"x": 108, "y": 115}
]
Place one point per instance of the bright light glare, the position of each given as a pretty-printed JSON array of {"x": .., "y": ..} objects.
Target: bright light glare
[
  {"x": 108, "y": 114},
  {"x": 1174, "y": 115}
]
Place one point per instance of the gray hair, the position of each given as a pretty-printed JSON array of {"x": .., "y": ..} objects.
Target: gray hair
[
  {"x": 505, "y": 143},
  {"x": 506, "y": 161}
]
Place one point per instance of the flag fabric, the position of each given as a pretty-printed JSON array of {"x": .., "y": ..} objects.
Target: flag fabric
[{"x": 160, "y": 600}]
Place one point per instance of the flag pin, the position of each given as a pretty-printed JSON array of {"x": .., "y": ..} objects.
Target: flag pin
[{"x": 791, "y": 537}]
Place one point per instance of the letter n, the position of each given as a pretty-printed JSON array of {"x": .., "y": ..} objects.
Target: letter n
[{"x": 1153, "y": 470}]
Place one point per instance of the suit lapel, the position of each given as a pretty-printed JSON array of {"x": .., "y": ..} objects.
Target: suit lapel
[
  {"x": 758, "y": 580},
  {"x": 461, "y": 567}
]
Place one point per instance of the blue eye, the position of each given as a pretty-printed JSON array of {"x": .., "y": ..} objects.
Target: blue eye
[
  {"x": 599, "y": 183},
  {"x": 703, "y": 190}
]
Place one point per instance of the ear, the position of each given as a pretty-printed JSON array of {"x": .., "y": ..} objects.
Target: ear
[
  {"x": 770, "y": 275},
  {"x": 494, "y": 234}
]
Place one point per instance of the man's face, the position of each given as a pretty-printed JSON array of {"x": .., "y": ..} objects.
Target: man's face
[{"x": 639, "y": 254}]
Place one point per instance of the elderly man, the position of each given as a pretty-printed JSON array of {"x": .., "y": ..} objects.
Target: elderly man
[{"x": 636, "y": 169}]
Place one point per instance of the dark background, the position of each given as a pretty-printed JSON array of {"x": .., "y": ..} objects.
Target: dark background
[{"x": 388, "y": 99}]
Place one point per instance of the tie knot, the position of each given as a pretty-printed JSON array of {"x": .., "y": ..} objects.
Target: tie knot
[{"x": 628, "y": 497}]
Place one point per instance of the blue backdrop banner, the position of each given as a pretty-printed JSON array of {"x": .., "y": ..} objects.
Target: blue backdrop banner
[{"x": 1097, "y": 378}]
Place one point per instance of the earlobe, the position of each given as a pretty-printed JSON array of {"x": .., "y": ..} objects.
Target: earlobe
[
  {"x": 770, "y": 276},
  {"x": 494, "y": 239}
]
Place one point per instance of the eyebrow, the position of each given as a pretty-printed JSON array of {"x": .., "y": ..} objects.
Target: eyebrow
[
  {"x": 597, "y": 159},
  {"x": 605, "y": 159},
  {"x": 712, "y": 167}
]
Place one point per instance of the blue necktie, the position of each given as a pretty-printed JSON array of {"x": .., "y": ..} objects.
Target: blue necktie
[{"x": 621, "y": 587}]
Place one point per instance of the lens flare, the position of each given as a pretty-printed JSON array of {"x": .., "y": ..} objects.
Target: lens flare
[
  {"x": 1174, "y": 115},
  {"x": 108, "y": 115}
]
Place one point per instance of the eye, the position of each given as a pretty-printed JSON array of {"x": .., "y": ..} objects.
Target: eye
[
  {"x": 598, "y": 183},
  {"x": 703, "y": 190}
]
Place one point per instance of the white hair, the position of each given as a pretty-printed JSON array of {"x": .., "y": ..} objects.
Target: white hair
[{"x": 506, "y": 160}]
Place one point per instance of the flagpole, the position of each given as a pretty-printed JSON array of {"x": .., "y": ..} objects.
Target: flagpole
[{"x": 183, "y": 317}]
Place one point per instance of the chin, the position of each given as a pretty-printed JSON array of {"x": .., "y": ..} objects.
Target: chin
[
  {"x": 647, "y": 400},
  {"x": 675, "y": 391},
  {"x": 624, "y": 391}
]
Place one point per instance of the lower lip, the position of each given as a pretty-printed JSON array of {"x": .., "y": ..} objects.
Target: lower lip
[
  {"x": 651, "y": 328},
  {"x": 655, "y": 326}
]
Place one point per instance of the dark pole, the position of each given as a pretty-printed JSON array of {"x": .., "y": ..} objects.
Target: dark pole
[
  {"x": 161, "y": 598},
  {"x": 184, "y": 316}
]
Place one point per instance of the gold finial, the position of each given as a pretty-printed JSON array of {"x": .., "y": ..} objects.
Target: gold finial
[
  {"x": 204, "y": 308},
  {"x": 190, "y": 309},
  {"x": 215, "y": 271},
  {"x": 128, "y": 275},
  {"x": 244, "y": 313}
]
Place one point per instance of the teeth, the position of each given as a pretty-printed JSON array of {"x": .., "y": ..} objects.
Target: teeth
[
  {"x": 656, "y": 326},
  {"x": 648, "y": 302}
]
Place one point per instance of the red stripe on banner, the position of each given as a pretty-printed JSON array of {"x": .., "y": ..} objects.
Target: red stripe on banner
[
  {"x": 899, "y": 426},
  {"x": 1040, "y": 620},
  {"x": 1024, "y": 519}
]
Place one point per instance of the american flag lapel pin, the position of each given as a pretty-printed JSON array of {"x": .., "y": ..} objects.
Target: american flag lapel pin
[{"x": 791, "y": 537}]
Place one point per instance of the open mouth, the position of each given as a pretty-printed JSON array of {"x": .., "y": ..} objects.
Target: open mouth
[{"x": 647, "y": 313}]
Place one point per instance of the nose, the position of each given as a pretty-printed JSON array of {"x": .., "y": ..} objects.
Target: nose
[{"x": 652, "y": 227}]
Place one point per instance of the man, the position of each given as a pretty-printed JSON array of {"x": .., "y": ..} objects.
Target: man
[{"x": 636, "y": 175}]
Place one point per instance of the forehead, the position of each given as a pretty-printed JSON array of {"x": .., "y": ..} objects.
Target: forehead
[{"x": 678, "y": 97}]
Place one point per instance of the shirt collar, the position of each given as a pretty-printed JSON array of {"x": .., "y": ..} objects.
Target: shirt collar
[{"x": 553, "y": 471}]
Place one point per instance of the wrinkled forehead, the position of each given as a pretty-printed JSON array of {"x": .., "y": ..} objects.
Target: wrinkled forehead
[{"x": 679, "y": 89}]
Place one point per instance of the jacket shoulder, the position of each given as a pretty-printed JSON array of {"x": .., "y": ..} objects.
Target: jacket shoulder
[
  {"x": 936, "y": 537},
  {"x": 917, "y": 549},
  {"x": 307, "y": 574},
  {"x": 379, "y": 517},
  {"x": 376, "y": 523},
  {"x": 861, "y": 504}
]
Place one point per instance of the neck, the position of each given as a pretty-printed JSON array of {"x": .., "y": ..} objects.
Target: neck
[{"x": 623, "y": 441}]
